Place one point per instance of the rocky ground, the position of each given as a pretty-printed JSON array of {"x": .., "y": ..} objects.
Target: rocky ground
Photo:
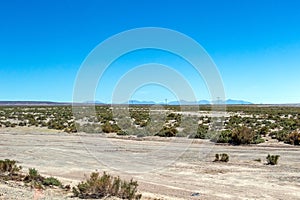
[{"x": 165, "y": 168}]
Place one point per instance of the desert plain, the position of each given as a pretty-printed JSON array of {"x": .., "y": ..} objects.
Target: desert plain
[{"x": 183, "y": 169}]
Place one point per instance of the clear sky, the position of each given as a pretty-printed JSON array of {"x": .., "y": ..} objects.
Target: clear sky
[{"x": 254, "y": 43}]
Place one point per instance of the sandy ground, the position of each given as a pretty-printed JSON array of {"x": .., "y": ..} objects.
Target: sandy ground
[{"x": 165, "y": 168}]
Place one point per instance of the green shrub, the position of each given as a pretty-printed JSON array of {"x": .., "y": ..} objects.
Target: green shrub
[
  {"x": 280, "y": 135},
  {"x": 106, "y": 185},
  {"x": 33, "y": 173},
  {"x": 51, "y": 181},
  {"x": 10, "y": 171},
  {"x": 257, "y": 139},
  {"x": 239, "y": 135},
  {"x": 223, "y": 137},
  {"x": 34, "y": 179},
  {"x": 272, "y": 159},
  {"x": 201, "y": 132}
]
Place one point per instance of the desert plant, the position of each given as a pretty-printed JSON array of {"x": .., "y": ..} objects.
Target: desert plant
[
  {"x": 51, "y": 181},
  {"x": 223, "y": 137},
  {"x": 293, "y": 138},
  {"x": 201, "y": 132},
  {"x": 280, "y": 135},
  {"x": 167, "y": 132},
  {"x": 272, "y": 159},
  {"x": 242, "y": 135},
  {"x": 257, "y": 139},
  {"x": 224, "y": 157},
  {"x": 9, "y": 170},
  {"x": 129, "y": 189},
  {"x": 9, "y": 166},
  {"x": 106, "y": 185},
  {"x": 34, "y": 179},
  {"x": 217, "y": 157},
  {"x": 263, "y": 131},
  {"x": 108, "y": 127},
  {"x": 33, "y": 173}
]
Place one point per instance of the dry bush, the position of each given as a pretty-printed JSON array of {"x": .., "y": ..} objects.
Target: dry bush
[
  {"x": 224, "y": 157},
  {"x": 293, "y": 138},
  {"x": 9, "y": 170},
  {"x": 9, "y": 166},
  {"x": 106, "y": 185},
  {"x": 242, "y": 135},
  {"x": 272, "y": 159}
]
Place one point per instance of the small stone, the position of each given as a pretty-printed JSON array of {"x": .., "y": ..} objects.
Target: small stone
[{"x": 195, "y": 194}]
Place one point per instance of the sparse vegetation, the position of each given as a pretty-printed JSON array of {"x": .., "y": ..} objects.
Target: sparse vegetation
[
  {"x": 94, "y": 187},
  {"x": 244, "y": 125},
  {"x": 35, "y": 180},
  {"x": 10, "y": 171}
]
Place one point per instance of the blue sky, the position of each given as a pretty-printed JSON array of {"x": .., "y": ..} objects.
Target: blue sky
[{"x": 255, "y": 45}]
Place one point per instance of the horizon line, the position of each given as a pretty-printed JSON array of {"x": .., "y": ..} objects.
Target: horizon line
[{"x": 137, "y": 102}]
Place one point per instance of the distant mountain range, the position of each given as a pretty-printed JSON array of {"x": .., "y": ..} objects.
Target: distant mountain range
[
  {"x": 137, "y": 102},
  {"x": 181, "y": 102},
  {"x": 237, "y": 102},
  {"x": 206, "y": 102}
]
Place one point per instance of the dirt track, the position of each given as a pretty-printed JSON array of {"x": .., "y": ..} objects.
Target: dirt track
[{"x": 158, "y": 172}]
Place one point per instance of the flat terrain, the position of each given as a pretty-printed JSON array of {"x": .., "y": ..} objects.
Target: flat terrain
[{"x": 165, "y": 168}]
